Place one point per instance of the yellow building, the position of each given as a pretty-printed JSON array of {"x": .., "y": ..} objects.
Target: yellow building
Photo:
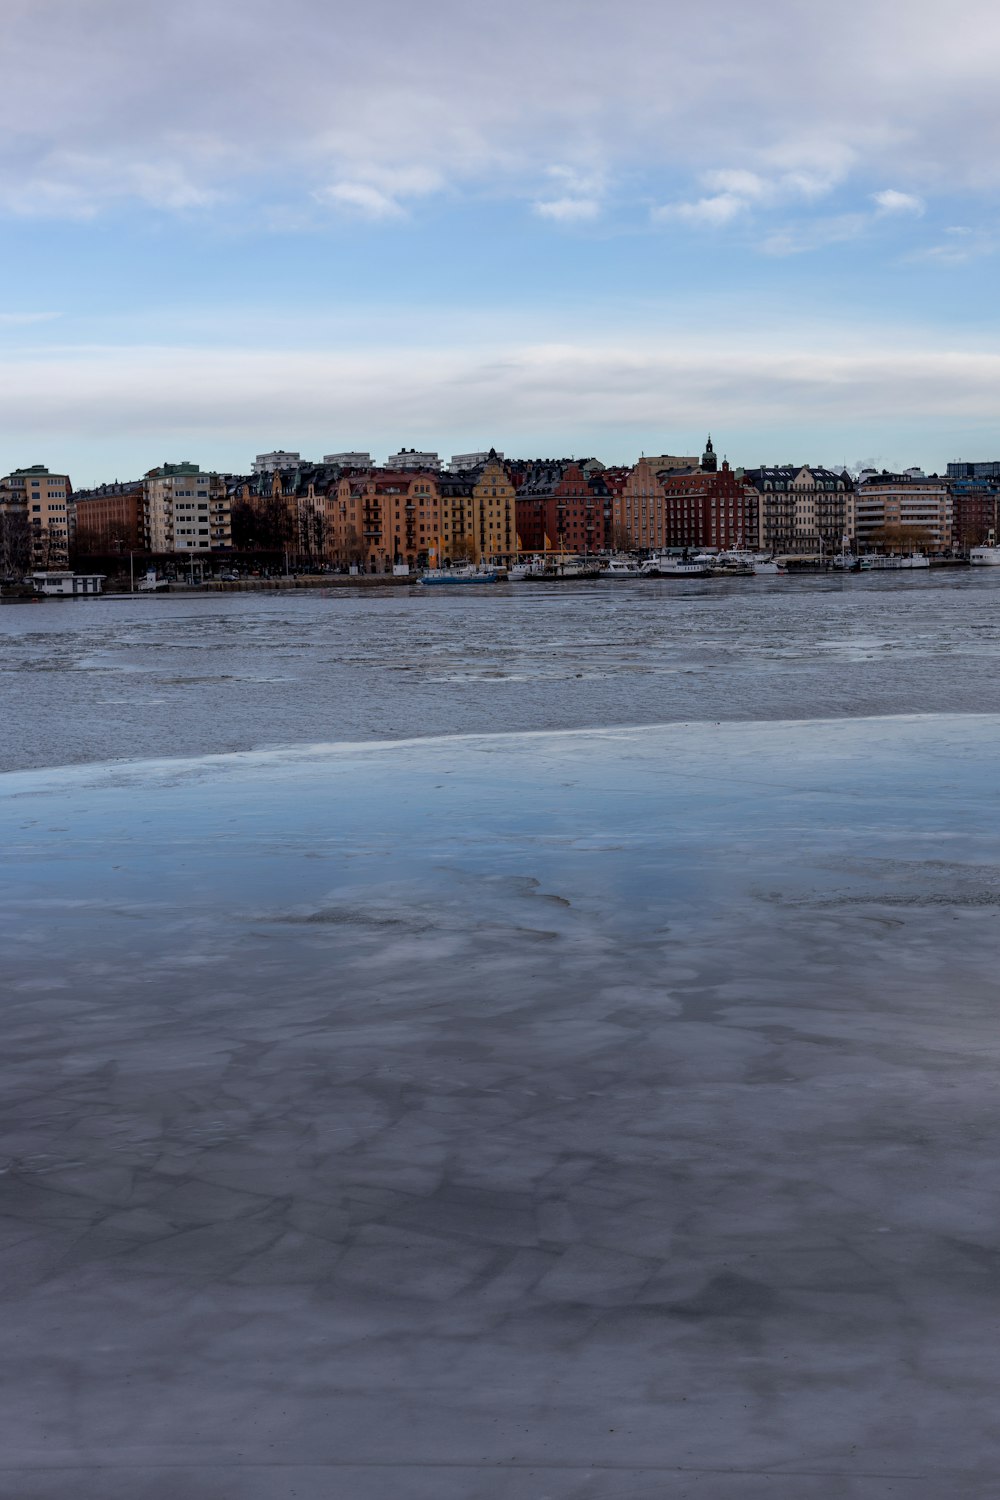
[
  {"x": 478, "y": 509},
  {"x": 47, "y": 501}
]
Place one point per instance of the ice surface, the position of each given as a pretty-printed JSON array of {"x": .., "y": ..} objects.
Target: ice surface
[{"x": 606, "y": 1115}]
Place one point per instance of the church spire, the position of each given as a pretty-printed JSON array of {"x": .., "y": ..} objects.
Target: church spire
[{"x": 709, "y": 461}]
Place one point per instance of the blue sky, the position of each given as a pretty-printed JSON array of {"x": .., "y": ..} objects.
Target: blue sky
[{"x": 557, "y": 228}]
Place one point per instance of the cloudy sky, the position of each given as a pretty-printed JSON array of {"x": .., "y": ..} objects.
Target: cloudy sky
[{"x": 600, "y": 226}]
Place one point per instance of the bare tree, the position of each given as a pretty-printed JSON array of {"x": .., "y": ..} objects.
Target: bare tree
[
  {"x": 15, "y": 545},
  {"x": 903, "y": 539}
]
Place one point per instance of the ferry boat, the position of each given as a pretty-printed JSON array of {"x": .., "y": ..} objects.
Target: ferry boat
[
  {"x": 456, "y": 576},
  {"x": 874, "y": 561},
  {"x": 663, "y": 565},
  {"x": 984, "y": 557}
]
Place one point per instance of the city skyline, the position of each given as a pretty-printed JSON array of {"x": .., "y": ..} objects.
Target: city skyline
[{"x": 572, "y": 229}]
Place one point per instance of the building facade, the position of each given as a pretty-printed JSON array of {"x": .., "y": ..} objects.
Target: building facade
[
  {"x": 559, "y": 509},
  {"x": 186, "y": 510},
  {"x": 353, "y": 460},
  {"x": 899, "y": 512},
  {"x": 46, "y": 502},
  {"x": 804, "y": 511},
  {"x": 111, "y": 518},
  {"x": 408, "y": 459},
  {"x": 274, "y": 462},
  {"x": 975, "y": 512},
  {"x": 714, "y": 509}
]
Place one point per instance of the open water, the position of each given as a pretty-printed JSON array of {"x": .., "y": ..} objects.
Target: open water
[
  {"x": 123, "y": 678},
  {"x": 472, "y": 1100}
]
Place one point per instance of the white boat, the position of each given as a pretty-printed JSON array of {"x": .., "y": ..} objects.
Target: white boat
[
  {"x": 664, "y": 565},
  {"x": 874, "y": 561},
  {"x": 621, "y": 567},
  {"x": 984, "y": 557},
  {"x": 768, "y": 565},
  {"x": 846, "y": 562}
]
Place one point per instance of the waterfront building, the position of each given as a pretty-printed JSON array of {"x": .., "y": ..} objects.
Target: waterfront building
[
  {"x": 384, "y": 519},
  {"x": 353, "y": 460},
  {"x": 494, "y": 504},
  {"x": 803, "y": 510},
  {"x": 478, "y": 520},
  {"x": 413, "y": 458},
  {"x": 273, "y": 463},
  {"x": 46, "y": 502},
  {"x": 917, "y": 510},
  {"x": 691, "y": 508},
  {"x": 111, "y": 518},
  {"x": 714, "y": 508},
  {"x": 975, "y": 511},
  {"x": 186, "y": 510},
  {"x": 558, "y": 509},
  {"x": 67, "y": 585}
]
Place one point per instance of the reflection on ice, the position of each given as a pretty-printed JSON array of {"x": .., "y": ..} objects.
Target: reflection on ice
[{"x": 606, "y": 1114}]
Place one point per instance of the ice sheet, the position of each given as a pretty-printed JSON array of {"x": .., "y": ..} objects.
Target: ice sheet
[{"x": 606, "y": 1115}]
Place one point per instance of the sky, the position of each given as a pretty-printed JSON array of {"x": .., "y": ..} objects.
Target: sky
[{"x": 556, "y": 228}]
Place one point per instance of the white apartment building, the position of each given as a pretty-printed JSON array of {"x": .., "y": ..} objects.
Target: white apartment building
[
  {"x": 186, "y": 510},
  {"x": 462, "y": 461},
  {"x": 907, "y": 503},
  {"x": 271, "y": 463},
  {"x": 413, "y": 458},
  {"x": 349, "y": 460},
  {"x": 47, "y": 501}
]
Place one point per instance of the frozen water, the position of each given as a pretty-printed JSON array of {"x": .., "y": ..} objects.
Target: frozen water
[{"x": 607, "y": 1114}]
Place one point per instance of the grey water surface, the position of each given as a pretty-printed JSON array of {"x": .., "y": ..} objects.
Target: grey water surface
[
  {"x": 192, "y": 675},
  {"x": 598, "y": 1114}
]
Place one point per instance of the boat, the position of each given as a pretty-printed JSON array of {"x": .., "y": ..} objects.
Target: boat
[
  {"x": 768, "y": 566},
  {"x": 846, "y": 562},
  {"x": 621, "y": 567},
  {"x": 565, "y": 569},
  {"x": 984, "y": 557},
  {"x": 734, "y": 562},
  {"x": 518, "y": 572},
  {"x": 456, "y": 576},
  {"x": 875, "y": 561},
  {"x": 663, "y": 565}
]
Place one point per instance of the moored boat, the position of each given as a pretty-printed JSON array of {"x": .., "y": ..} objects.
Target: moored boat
[
  {"x": 455, "y": 576},
  {"x": 984, "y": 557}
]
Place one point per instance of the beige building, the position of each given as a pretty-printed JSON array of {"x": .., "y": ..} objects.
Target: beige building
[
  {"x": 186, "y": 510},
  {"x": 915, "y": 506},
  {"x": 804, "y": 511},
  {"x": 47, "y": 501}
]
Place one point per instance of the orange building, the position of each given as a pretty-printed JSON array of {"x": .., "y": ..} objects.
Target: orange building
[{"x": 385, "y": 517}]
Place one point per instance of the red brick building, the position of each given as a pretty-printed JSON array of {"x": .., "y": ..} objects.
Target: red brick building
[
  {"x": 975, "y": 513},
  {"x": 686, "y": 508},
  {"x": 559, "y": 509},
  {"x": 111, "y": 519},
  {"x": 708, "y": 510}
]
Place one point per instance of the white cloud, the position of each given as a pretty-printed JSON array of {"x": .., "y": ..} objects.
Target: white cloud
[
  {"x": 714, "y": 211},
  {"x": 889, "y": 201},
  {"x": 568, "y": 210},
  {"x": 205, "y": 397},
  {"x": 361, "y": 198}
]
